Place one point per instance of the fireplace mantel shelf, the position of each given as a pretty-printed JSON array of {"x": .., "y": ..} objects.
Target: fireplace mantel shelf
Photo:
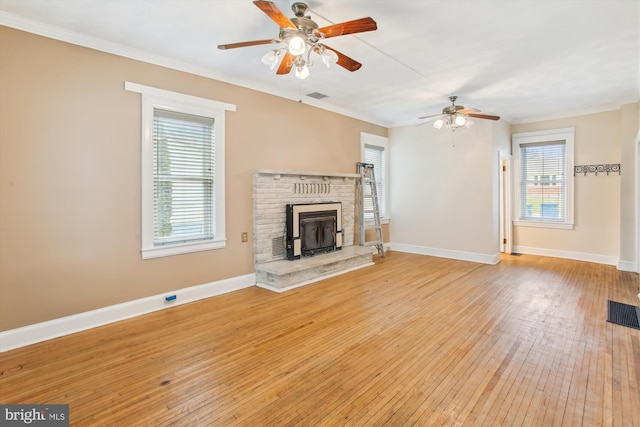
[{"x": 304, "y": 173}]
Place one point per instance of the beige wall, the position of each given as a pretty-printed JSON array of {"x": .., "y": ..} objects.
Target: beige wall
[
  {"x": 629, "y": 124},
  {"x": 444, "y": 187},
  {"x": 597, "y": 199},
  {"x": 70, "y": 175}
]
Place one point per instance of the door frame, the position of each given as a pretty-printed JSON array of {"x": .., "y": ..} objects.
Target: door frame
[
  {"x": 506, "y": 223},
  {"x": 637, "y": 219}
]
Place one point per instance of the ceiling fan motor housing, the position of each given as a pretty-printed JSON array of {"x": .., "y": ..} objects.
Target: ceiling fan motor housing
[
  {"x": 299, "y": 9},
  {"x": 452, "y": 109},
  {"x": 306, "y": 29}
]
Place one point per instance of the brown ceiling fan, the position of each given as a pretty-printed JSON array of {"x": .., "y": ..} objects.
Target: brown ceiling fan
[
  {"x": 301, "y": 36},
  {"x": 456, "y": 116}
]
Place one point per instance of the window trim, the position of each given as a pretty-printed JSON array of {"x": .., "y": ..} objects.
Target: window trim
[
  {"x": 380, "y": 142},
  {"x": 153, "y": 98},
  {"x": 563, "y": 134}
]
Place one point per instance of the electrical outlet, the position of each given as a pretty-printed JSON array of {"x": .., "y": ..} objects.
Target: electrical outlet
[{"x": 244, "y": 236}]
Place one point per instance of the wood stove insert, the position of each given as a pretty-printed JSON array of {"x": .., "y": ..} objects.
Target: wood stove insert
[{"x": 313, "y": 228}]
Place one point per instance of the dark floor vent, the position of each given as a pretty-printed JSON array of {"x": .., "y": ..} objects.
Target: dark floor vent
[{"x": 623, "y": 314}]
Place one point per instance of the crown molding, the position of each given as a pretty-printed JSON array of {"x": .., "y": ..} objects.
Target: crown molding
[{"x": 573, "y": 113}]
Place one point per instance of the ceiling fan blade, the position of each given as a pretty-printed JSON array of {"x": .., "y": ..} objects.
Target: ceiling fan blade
[
  {"x": 350, "y": 27},
  {"x": 286, "y": 64},
  {"x": 433, "y": 116},
  {"x": 483, "y": 116},
  {"x": 468, "y": 110},
  {"x": 274, "y": 13},
  {"x": 245, "y": 44},
  {"x": 344, "y": 61}
]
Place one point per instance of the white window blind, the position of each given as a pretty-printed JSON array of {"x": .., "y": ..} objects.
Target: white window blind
[
  {"x": 542, "y": 194},
  {"x": 184, "y": 171},
  {"x": 375, "y": 155}
]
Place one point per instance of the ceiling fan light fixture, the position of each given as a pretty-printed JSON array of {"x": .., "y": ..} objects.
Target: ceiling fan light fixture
[
  {"x": 302, "y": 71},
  {"x": 460, "y": 120},
  {"x": 271, "y": 58},
  {"x": 329, "y": 57},
  {"x": 297, "y": 46},
  {"x": 438, "y": 123}
]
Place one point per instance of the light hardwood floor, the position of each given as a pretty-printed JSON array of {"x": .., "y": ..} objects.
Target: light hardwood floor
[{"x": 413, "y": 340}]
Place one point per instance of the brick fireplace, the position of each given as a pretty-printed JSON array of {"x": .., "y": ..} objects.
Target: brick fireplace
[{"x": 273, "y": 191}]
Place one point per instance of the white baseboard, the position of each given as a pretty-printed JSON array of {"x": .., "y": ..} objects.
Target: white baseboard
[
  {"x": 628, "y": 266},
  {"x": 447, "y": 253},
  {"x": 20, "y": 337},
  {"x": 578, "y": 256}
]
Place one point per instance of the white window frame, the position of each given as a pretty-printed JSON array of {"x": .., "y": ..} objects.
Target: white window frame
[
  {"x": 154, "y": 98},
  {"x": 380, "y": 142},
  {"x": 519, "y": 139}
]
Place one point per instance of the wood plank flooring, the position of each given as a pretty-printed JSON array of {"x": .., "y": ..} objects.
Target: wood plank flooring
[{"x": 413, "y": 340}]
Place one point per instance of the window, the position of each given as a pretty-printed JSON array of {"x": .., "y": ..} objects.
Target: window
[
  {"x": 544, "y": 170},
  {"x": 183, "y": 177},
  {"x": 375, "y": 151},
  {"x": 182, "y": 172}
]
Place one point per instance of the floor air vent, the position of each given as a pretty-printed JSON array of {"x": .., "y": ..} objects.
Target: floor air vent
[{"x": 623, "y": 314}]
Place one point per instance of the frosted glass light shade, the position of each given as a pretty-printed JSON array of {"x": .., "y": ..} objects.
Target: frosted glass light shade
[
  {"x": 271, "y": 58},
  {"x": 329, "y": 57},
  {"x": 296, "y": 46},
  {"x": 438, "y": 123},
  {"x": 302, "y": 72}
]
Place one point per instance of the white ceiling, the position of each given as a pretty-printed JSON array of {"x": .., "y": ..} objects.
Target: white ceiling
[{"x": 524, "y": 60}]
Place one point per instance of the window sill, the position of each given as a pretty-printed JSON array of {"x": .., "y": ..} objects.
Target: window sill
[
  {"x": 544, "y": 224},
  {"x": 169, "y": 250}
]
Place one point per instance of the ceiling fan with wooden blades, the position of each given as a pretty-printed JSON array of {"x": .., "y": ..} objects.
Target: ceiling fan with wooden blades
[
  {"x": 301, "y": 36},
  {"x": 456, "y": 116}
]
